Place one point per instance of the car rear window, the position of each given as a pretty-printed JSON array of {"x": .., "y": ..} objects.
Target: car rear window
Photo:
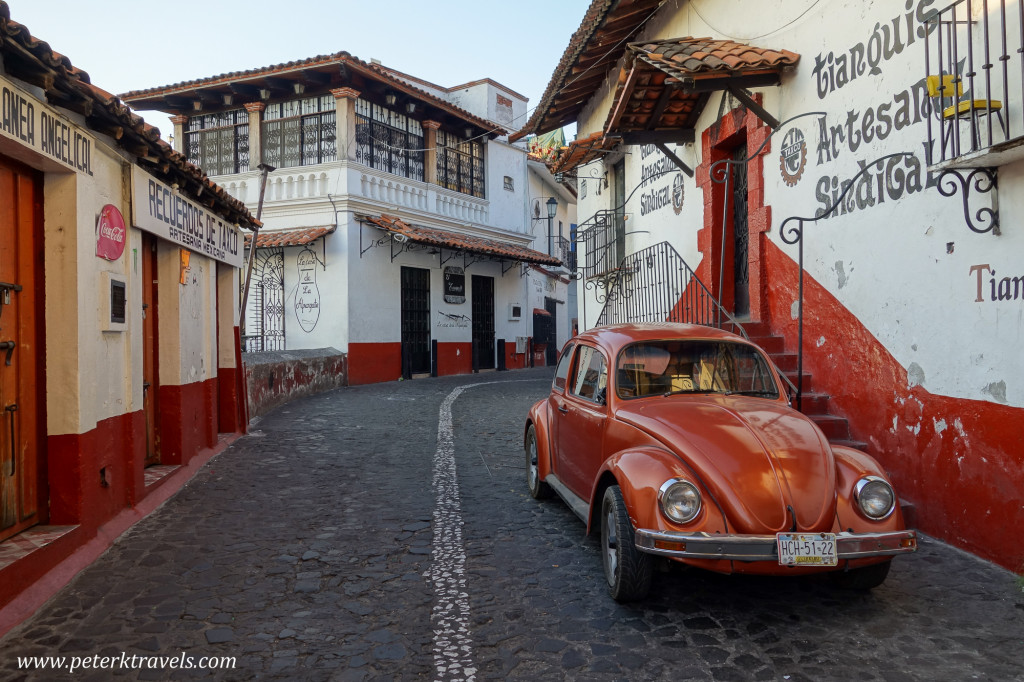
[{"x": 693, "y": 366}]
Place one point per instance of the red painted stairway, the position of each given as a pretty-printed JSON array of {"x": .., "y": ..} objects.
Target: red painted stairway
[{"x": 814, "y": 404}]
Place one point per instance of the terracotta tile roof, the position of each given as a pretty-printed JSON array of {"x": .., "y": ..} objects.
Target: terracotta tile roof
[
  {"x": 582, "y": 151},
  {"x": 664, "y": 85},
  {"x": 279, "y": 78},
  {"x": 591, "y": 53},
  {"x": 695, "y": 57},
  {"x": 294, "y": 237},
  {"x": 32, "y": 60},
  {"x": 457, "y": 241}
]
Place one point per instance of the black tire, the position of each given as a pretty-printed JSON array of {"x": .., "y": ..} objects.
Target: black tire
[
  {"x": 627, "y": 570},
  {"x": 863, "y": 578},
  {"x": 539, "y": 490}
]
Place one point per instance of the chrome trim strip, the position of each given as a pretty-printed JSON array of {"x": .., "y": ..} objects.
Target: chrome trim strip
[{"x": 764, "y": 548}]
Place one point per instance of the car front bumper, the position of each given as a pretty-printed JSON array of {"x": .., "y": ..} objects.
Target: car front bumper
[{"x": 764, "y": 547}]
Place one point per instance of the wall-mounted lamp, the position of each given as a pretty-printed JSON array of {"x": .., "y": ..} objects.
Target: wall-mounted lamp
[
  {"x": 410, "y": 107},
  {"x": 468, "y": 132},
  {"x": 299, "y": 88},
  {"x": 264, "y": 93},
  {"x": 197, "y": 105},
  {"x": 228, "y": 100},
  {"x": 552, "y": 204},
  {"x": 390, "y": 98}
]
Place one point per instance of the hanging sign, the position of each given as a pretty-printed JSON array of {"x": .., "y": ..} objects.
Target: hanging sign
[
  {"x": 163, "y": 211},
  {"x": 454, "y": 285},
  {"x": 110, "y": 233}
]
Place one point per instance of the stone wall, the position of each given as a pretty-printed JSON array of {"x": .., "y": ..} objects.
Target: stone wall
[{"x": 276, "y": 377}]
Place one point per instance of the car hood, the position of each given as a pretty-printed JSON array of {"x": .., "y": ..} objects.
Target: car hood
[{"x": 757, "y": 458}]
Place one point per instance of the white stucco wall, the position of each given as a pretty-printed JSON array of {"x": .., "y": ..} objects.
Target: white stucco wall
[{"x": 902, "y": 260}]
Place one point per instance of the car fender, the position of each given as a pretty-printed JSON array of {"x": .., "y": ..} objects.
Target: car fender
[
  {"x": 640, "y": 472},
  {"x": 540, "y": 419},
  {"x": 851, "y": 466}
]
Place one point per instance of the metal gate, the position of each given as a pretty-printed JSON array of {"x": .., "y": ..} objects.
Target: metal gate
[
  {"x": 415, "y": 321},
  {"x": 741, "y": 235},
  {"x": 483, "y": 322},
  {"x": 265, "y": 326}
]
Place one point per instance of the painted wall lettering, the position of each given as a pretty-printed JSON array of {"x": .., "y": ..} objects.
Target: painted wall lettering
[
  {"x": 998, "y": 289},
  {"x": 909, "y": 107},
  {"x": 895, "y": 178},
  {"x": 307, "y": 301},
  {"x": 657, "y": 168},
  {"x": 888, "y": 39}
]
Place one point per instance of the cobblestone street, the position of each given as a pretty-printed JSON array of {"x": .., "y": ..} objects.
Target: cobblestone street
[{"x": 348, "y": 537}]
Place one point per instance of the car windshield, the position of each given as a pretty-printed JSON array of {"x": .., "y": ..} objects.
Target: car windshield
[{"x": 671, "y": 367}]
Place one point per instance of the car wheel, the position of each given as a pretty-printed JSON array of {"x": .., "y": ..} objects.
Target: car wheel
[
  {"x": 539, "y": 490},
  {"x": 864, "y": 578},
  {"x": 626, "y": 569}
]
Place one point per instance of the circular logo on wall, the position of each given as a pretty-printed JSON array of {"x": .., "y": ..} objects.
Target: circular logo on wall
[
  {"x": 677, "y": 193},
  {"x": 793, "y": 157}
]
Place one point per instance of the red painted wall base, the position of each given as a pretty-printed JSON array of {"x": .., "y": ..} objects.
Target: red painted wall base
[
  {"x": 958, "y": 460},
  {"x": 373, "y": 363},
  {"x": 454, "y": 358}
]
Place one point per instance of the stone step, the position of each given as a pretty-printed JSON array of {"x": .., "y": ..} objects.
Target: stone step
[
  {"x": 833, "y": 427},
  {"x": 770, "y": 344}
]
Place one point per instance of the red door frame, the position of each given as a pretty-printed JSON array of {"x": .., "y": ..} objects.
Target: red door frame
[{"x": 738, "y": 127}]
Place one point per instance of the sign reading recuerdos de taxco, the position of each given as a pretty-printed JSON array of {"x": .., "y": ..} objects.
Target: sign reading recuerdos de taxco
[
  {"x": 28, "y": 120},
  {"x": 161, "y": 210}
]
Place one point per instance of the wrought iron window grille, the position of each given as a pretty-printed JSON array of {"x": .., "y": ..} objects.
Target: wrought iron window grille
[
  {"x": 300, "y": 132},
  {"x": 219, "y": 143},
  {"x": 460, "y": 164},
  {"x": 389, "y": 140}
]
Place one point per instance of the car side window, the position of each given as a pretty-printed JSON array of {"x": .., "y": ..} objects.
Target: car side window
[
  {"x": 591, "y": 377},
  {"x": 562, "y": 370}
]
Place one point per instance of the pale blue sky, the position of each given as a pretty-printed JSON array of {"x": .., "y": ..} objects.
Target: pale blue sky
[{"x": 132, "y": 45}]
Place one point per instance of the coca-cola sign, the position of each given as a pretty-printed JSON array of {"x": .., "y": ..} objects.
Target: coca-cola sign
[{"x": 110, "y": 233}]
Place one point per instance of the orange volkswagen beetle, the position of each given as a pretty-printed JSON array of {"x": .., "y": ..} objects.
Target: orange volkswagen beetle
[{"x": 678, "y": 441}]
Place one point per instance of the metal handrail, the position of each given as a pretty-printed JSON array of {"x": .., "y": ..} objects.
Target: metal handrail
[{"x": 663, "y": 288}]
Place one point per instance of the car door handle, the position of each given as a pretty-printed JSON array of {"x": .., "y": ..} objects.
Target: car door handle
[{"x": 563, "y": 409}]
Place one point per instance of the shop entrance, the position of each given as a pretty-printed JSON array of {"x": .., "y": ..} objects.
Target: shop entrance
[
  {"x": 483, "y": 321},
  {"x": 415, "y": 321},
  {"x": 22, "y": 488},
  {"x": 150, "y": 349}
]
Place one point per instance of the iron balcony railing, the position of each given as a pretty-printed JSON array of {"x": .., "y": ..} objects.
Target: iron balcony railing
[
  {"x": 602, "y": 240},
  {"x": 974, "y": 67},
  {"x": 564, "y": 250}
]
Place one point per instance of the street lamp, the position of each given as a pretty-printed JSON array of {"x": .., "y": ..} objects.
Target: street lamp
[{"x": 552, "y": 210}]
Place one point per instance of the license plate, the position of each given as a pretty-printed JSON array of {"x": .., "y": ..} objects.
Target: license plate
[{"x": 807, "y": 549}]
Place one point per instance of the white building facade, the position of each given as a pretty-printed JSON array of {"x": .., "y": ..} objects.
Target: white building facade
[
  {"x": 394, "y": 217},
  {"x": 711, "y": 134}
]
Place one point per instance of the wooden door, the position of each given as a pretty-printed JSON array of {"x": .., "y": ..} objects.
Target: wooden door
[
  {"x": 22, "y": 488},
  {"x": 150, "y": 349},
  {"x": 415, "y": 320}
]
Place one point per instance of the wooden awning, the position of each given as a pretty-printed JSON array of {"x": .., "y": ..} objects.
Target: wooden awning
[{"x": 665, "y": 85}]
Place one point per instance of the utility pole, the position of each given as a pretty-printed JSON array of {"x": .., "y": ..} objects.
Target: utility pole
[{"x": 264, "y": 170}]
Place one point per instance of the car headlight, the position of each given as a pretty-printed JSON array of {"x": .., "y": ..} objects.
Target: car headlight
[
  {"x": 679, "y": 500},
  {"x": 874, "y": 497}
]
